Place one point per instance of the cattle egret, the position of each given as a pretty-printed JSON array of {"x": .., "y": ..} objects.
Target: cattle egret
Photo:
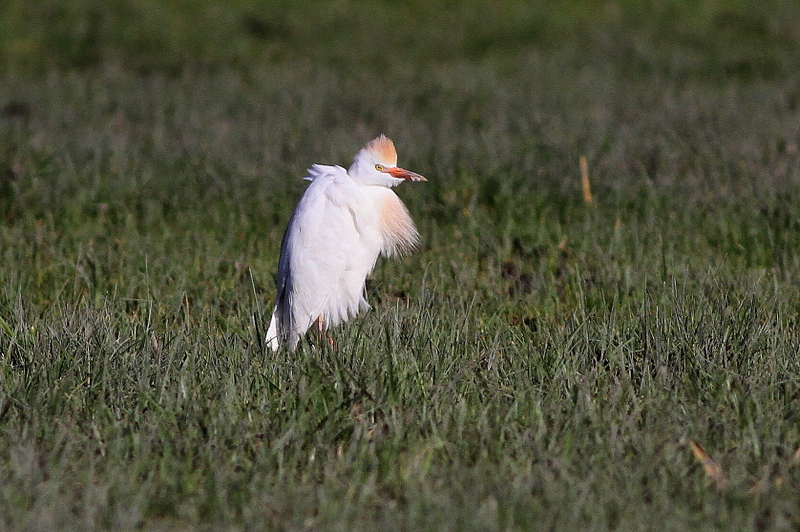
[{"x": 343, "y": 221}]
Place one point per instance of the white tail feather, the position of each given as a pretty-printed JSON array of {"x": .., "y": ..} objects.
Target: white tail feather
[{"x": 272, "y": 331}]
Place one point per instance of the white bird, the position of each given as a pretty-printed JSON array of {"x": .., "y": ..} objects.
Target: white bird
[{"x": 343, "y": 221}]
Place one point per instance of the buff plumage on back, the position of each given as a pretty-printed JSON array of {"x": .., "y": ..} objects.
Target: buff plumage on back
[{"x": 383, "y": 149}]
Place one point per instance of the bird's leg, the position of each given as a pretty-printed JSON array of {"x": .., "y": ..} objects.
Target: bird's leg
[{"x": 324, "y": 334}]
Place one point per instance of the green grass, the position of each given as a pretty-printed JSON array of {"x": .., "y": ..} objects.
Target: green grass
[{"x": 538, "y": 364}]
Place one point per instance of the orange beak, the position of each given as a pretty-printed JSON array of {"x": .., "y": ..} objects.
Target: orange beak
[{"x": 404, "y": 174}]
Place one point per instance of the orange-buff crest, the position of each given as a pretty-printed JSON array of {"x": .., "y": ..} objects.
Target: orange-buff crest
[{"x": 383, "y": 150}]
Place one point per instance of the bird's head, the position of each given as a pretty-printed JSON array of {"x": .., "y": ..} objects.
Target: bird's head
[{"x": 376, "y": 164}]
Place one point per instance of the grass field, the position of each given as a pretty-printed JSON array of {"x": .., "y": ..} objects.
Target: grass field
[{"x": 541, "y": 363}]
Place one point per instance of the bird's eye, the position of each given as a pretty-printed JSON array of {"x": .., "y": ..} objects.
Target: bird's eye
[{"x": 379, "y": 167}]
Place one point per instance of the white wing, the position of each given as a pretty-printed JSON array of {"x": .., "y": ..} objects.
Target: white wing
[
  {"x": 317, "y": 170},
  {"x": 329, "y": 248}
]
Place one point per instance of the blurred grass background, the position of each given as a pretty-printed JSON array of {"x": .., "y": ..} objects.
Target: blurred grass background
[
  {"x": 540, "y": 362},
  {"x": 702, "y": 38}
]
